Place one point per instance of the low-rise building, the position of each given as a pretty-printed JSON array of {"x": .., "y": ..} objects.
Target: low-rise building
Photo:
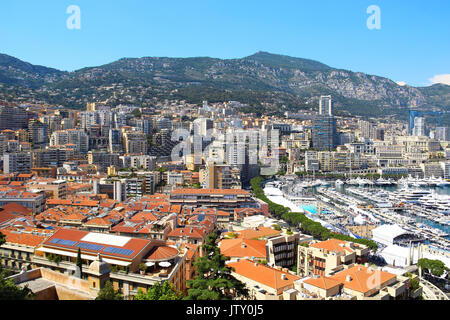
[
  {"x": 322, "y": 258},
  {"x": 31, "y": 200},
  {"x": 264, "y": 282},
  {"x": 125, "y": 255},
  {"x": 225, "y": 199},
  {"x": 360, "y": 282},
  {"x": 55, "y": 189}
]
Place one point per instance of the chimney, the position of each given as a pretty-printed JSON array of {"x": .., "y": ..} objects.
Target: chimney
[
  {"x": 348, "y": 278},
  {"x": 283, "y": 277},
  {"x": 243, "y": 245}
]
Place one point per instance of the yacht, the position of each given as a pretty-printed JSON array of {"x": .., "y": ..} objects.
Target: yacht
[
  {"x": 440, "y": 182},
  {"x": 324, "y": 183},
  {"x": 432, "y": 181},
  {"x": 413, "y": 195},
  {"x": 403, "y": 181}
]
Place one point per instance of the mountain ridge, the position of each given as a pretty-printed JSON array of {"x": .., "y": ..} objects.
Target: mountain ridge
[{"x": 263, "y": 76}]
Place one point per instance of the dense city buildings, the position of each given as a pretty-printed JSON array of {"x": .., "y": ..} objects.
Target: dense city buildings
[{"x": 140, "y": 190}]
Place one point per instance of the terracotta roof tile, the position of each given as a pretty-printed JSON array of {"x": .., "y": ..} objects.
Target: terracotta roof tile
[
  {"x": 333, "y": 245},
  {"x": 161, "y": 253},
  {"x": 23, "y": 238},
  {"x": 211, "y": 191},
  {"x": 243, "y": 248},
  {"x": 363, "y": 279},
  {"x": 15, "y": 208},
  {"x": 265, "y": 275},
  {"x": 261, "y": 232},
  {"x": 322, "y": 282}
]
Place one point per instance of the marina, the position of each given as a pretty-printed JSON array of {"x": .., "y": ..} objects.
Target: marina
[{"x": 419, "y": 206}]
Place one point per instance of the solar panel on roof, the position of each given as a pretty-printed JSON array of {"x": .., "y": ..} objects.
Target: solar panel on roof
[
  {"x": 63, "y": 242},
  {"x": 89, "y": 246},
  {"x": 124, "y": 252}
]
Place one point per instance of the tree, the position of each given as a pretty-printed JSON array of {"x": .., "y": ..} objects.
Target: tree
[
  {"x": 232, "y": 235},
  {"x": 108, "y": 293},
  {"x": 214, "y": 280},
  {"x": 159, "y": 291},
  {"x": 79, "y": 262},
  {"x": 136, "y": 113},
  {"x": 284, "y": 159},
  {"x": 143, "y": 267},
  {"x": 9, "y": 291},
  {"x": 2, "y": 238},
  {"x": 435, "y": 267}
]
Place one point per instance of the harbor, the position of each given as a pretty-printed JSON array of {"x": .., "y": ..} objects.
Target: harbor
[{"x": 419, "y": 206}]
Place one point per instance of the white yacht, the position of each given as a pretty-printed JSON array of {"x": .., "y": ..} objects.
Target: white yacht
[
  {"x": 413, "y": 195},
  {"x": 440, "y": 182}
]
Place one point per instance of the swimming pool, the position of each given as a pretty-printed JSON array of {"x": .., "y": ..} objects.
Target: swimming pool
[{"x": 311, "y": 209}]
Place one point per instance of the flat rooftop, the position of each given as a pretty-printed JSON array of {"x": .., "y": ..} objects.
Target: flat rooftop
[{"x": 125, "y": 248}]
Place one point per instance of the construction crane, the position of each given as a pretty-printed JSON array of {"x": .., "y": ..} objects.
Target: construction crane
[{"x": 413, "y": 114}]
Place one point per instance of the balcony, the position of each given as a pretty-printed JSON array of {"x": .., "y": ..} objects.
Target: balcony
[
  {"x": 66, "y": 265},
  {"x": 397, "y": 289}
]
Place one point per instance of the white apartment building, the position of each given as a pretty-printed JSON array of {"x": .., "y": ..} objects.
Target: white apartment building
[{"x": 72, "y": 136}]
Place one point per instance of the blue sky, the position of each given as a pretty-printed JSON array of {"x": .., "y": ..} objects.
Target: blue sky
[{"x": 413, "y": 44}]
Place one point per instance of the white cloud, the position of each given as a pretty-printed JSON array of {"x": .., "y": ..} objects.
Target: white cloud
[
  {"x": 441, "y": 78},
  {"x": 401, "y": 83}
]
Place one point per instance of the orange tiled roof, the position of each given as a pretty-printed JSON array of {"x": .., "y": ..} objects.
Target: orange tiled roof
[
  {"x": 223, "y": 213},
  {"x": 176, "y": 208},
  {"x": 25, "y": 175},
  {"x": 161, "y": 253},
  {"x": 85, "y": 203},
  {"x": 361, "y": 278},
  {"x": 23, "y": 238},
  {"x": 322, "y": 282},
  {"x": 98, "y": 222},
  {"x": 209, "y": 211},
  {"x": 189, "y": 232},
  {"x": 16, "y": 208},
  {"x": 17, "y": 183},
  {"x": 5, "y": 216},
  {"x": 211, "y": 191},
  {"x": 247, "y": 211},
  {"x": 144, "y": 216},
  {"x": 256, "y": 234},
  {"x": 334, "y": 245},
  {"x": 243, "y": 248},
  {"x": 59, "y": 202},
  {"x": 75, "y": 217},
  {"x": 265, "y": 275}
]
